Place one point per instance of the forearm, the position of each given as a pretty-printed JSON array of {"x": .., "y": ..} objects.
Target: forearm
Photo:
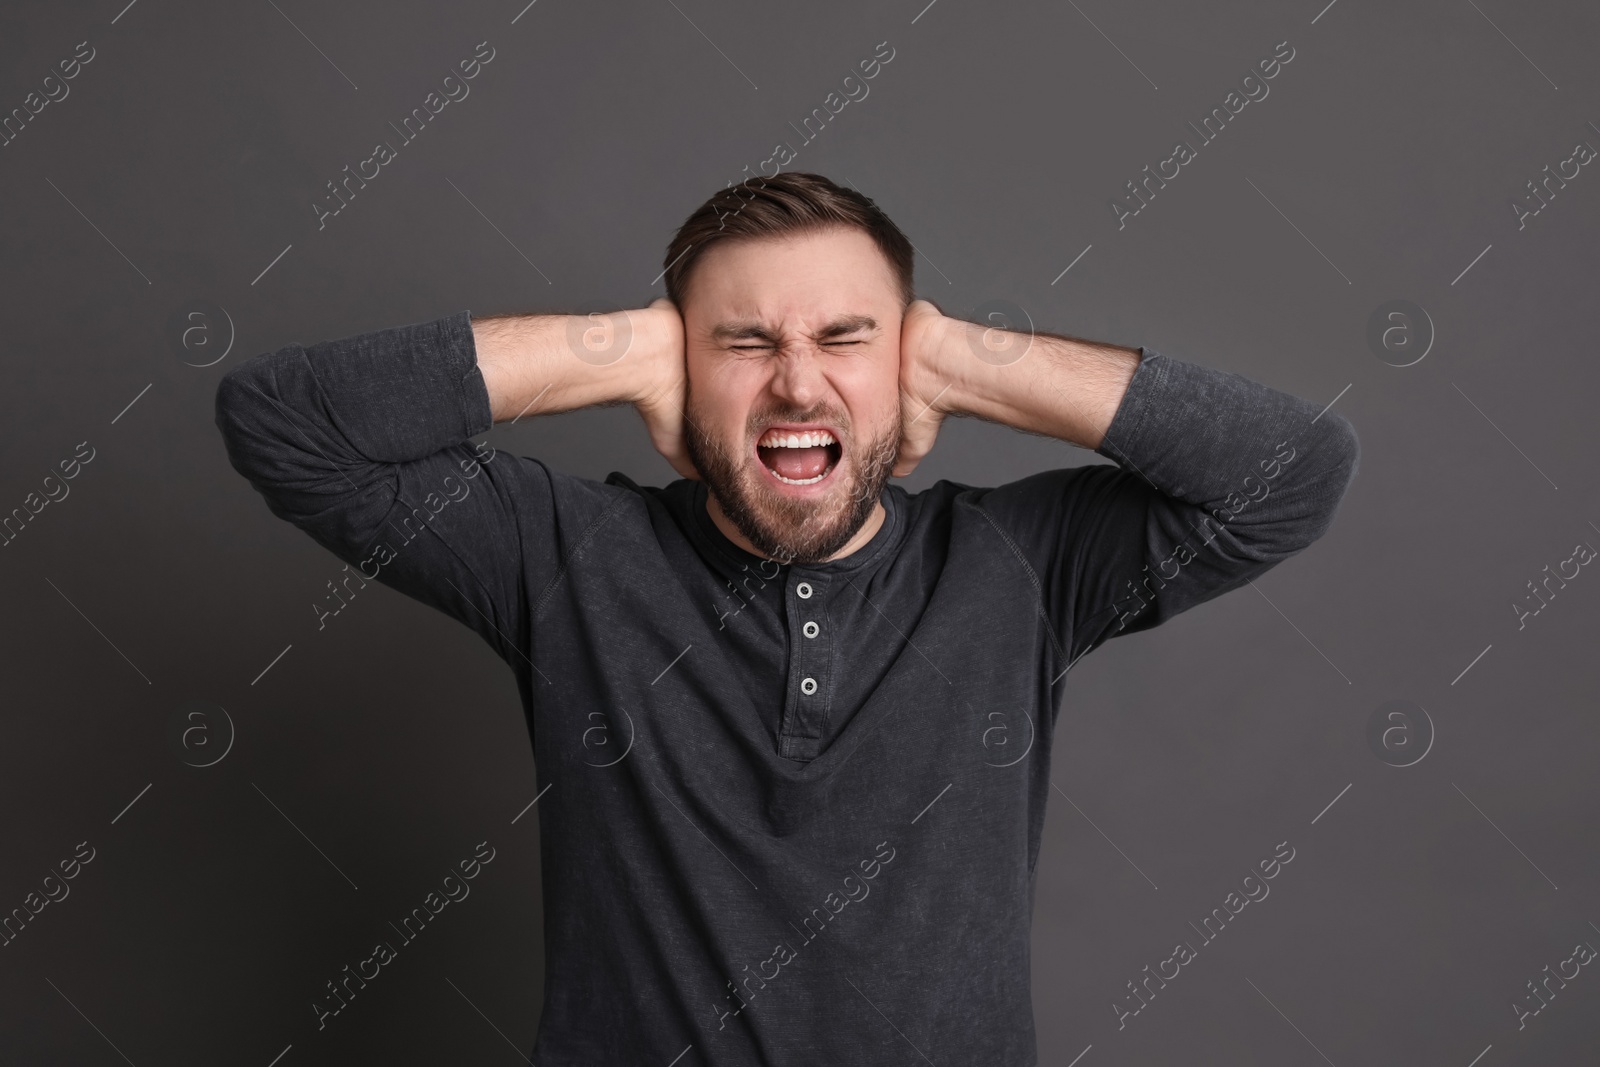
[
  {"x": 365, "y": 444},
  {"x": 1217, "y": 479},
  {"x": 1198, "y": 435},
  {"x": 1049, "y": 384},
  {"x": 543, "y": 364}
]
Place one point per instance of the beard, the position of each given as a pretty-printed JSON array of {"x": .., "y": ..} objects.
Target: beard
[{"x": 781, "y": 528}]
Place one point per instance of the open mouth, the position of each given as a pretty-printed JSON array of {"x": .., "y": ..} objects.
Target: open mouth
[{"x": 799, "y": 457}]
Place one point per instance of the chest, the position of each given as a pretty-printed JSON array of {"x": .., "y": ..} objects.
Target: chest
[{"x": 760, "y": 663}]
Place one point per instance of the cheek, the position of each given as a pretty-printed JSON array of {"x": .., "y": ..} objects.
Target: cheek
[
  {"x": 875, "y": 408},
  {"x": 720, "y": 407},
  {"x": 870, "y": 390}
]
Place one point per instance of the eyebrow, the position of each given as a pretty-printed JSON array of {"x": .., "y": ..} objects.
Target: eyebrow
[{"x": 744, "y": 331}]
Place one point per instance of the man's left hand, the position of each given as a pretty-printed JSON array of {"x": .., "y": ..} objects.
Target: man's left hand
[{"x": 923, "y": 336}]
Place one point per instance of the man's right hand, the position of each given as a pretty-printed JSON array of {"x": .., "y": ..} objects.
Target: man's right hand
[{"x": 663, "y": 396}]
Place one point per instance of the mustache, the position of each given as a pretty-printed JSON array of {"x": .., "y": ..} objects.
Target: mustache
[{"x": 760, "y": 424}]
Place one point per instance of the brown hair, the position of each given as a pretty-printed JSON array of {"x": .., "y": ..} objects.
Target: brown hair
[{"x": 787, "y": 203}]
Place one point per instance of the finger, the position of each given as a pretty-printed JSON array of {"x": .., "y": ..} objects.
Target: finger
[
  {"x": 671, "y": 448},
  {"x": 919, "y": 430},
  {"x": 676, "y": 452},
  {"x": 684, "y": 466},
  {"x": 913, "y": 447}
]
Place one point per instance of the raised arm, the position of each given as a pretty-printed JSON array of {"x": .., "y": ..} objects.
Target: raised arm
[
  {"x": 365, "y": 444},
  {"x": 1217, "y": 478},
  {"x": 543, "y": 364},
  {"x": 1045, "y": 384}
]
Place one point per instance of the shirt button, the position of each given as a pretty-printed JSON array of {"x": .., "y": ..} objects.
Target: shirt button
[
  {"x": 808, "y": 686},
  {"x": 811, "y": 629},
  {"x": 803, "y": 590}
]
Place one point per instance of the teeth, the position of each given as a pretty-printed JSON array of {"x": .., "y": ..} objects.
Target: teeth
[
  {"x": 808, "y": 439},
  {"x": 800, "y": 481}
]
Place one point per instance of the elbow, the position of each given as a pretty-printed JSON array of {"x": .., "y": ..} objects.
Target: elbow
[
  {"x": 245, "y": 416},
  {"x": 1301, "y": 507},
  {"x": 239, "y": 398},
  {"x": 229, "y": 401},
  {"x": 1337, "y": 457},
  {"x": 1344, "y": 449}
]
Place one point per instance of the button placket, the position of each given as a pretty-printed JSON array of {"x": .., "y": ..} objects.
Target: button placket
[{"x": 810, "y": 659}]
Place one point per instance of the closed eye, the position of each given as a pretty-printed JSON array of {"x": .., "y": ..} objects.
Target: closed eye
[{"x": 758, "y": 348}]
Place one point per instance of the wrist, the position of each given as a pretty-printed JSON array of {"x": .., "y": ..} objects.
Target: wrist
[
  {"x": 928, "y": 370},
  {"x": 655, "y": 360},
  {"x": 958, "y": 361},
  {"x": 1058, "y": 386}
]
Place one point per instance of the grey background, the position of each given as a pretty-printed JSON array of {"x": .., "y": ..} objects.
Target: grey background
[{"x": 378, "y": 751}]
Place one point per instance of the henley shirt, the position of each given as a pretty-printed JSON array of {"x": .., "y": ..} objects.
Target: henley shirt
[{"x": 789, "y": 813}]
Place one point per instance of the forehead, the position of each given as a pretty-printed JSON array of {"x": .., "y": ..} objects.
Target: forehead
[{"x": 796, "y": 276}]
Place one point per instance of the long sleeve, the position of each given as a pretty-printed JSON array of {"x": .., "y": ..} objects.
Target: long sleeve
[
  {"x": 363, "y": 443},
  {"x": 1217, "y": 479}
]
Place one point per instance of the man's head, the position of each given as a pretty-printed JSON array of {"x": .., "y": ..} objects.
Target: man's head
[{"x": 792, "y": 291}]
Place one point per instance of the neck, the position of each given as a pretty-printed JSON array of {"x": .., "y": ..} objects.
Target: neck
[{"x": 731, "y": 532}]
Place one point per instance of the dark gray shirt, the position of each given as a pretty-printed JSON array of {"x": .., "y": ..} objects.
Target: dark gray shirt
[{"x": 792, "y": 812}]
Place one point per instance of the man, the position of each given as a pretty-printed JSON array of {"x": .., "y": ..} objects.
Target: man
[{"x": 793, "y": 723}]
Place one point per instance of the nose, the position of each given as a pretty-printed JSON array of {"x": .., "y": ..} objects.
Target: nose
[{"x": 797, "y": 376}]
